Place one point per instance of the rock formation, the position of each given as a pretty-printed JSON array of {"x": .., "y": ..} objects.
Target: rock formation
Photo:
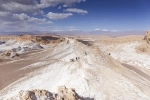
[
  {"x": 9, "y": 54},
  {"x": 63, "y": 94},
  {"x": 37, "y": 39},
  {"x": 147, "y": 37},
  {"x": 144, "y": 47},
  {"x": 66, "y": 94}
]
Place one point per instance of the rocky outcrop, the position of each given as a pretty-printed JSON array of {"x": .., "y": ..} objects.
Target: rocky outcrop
[
  {"x": 37, "y": 39},
  {"x": 66, "y": 94},
  {"x": 63, "y": 93},
  {"x": 143, "y": 48},
  {"x": 147, "y": 37},
  {"x": 9, "y": 54}
]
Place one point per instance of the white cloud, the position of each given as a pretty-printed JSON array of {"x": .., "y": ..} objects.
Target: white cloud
[
  {"x": 75, "y": 10},
  {"x": 48, "y": 3},
  {"x": 57, "y": 16},
  {"x": 97, "y": 29},
  {"x": 65, "y": 5},
  {"x": 16, "y": 7},
  {"x": 104, "y": 30},
  {"x": 32, "y": 6},
  {"x": 4, "y": 14},
  {"x": 25, "y": 2},
  {"x": 22, "y": 26},
  {"x": 114, "y": 30},
  {"x": 21, "y": 16},
  {"x": 10, "y": 17},
  {"x": 21, "y": 22},
  {"x": 57, "y": 30},
  {"x": 24, "y": 14}
]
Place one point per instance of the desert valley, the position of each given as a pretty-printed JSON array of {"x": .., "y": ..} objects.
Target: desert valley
[
  {"x": 74, "y": 49},
  {"x": 55, "y": 67}
]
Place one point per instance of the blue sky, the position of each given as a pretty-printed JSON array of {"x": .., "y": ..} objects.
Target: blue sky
[{"x": 71, "y": 15}]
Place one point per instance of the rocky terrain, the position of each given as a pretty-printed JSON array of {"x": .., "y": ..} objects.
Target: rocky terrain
[
  {"x": 92, "y": 68},
  {"x": 42, "y": 39},
  {"x": 12, "y": 46},
  {"x": 63, "y": 93},
  {"x": 147, "y": 37}
]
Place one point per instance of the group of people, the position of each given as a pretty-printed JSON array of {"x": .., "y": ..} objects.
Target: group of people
[{"x": 75, "y": 59}]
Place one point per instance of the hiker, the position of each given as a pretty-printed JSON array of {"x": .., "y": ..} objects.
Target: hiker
[
  {"x": 71, "y": 60},
  {"x": 85, "y": 53},
  {"x": 76, "y": 58}
]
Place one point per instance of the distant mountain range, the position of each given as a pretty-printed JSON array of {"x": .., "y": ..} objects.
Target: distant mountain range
[{"x": 76, "y": 32}]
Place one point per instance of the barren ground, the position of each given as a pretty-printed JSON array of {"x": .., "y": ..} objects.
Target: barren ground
[{"x": 102, "y": 68}]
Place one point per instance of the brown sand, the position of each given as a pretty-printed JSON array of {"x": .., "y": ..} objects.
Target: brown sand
[{"x": 8, "y": 70}]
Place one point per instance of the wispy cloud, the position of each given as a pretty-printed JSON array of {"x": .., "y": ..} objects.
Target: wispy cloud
[
  {"x": 104, "y": 30},
  {"x": 75, "y": 10},
  {"x": 97, "y": 29},
  {"x": 65, "y": 5},
  {"x": 57, "y": 16}
]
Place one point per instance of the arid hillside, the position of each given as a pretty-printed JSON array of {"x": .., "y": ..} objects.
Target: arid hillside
[{"x": 43, "y": 39}]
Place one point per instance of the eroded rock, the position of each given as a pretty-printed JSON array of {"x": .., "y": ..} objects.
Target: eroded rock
[
  {"x": 63, "y": 93},
  {"x": 10, "y": 54},
  {"x": 147, "y": 37}
]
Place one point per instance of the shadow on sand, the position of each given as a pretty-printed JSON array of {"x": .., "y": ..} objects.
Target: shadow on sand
[{"x": 88, "y": 43}]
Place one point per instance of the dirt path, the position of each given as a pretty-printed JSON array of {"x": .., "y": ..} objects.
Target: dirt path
[{"x": 139, "y": 72}]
